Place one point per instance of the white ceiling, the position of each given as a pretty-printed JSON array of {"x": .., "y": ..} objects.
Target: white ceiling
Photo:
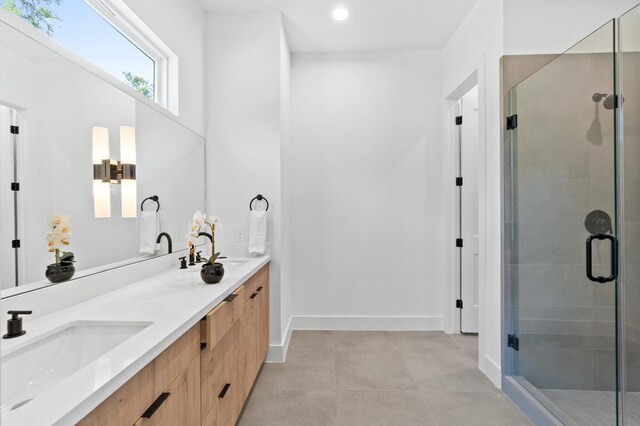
[{"x": 372, "y": 25}]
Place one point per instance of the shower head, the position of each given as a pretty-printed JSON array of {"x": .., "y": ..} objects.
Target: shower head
[{"x": 609, "y": 100}]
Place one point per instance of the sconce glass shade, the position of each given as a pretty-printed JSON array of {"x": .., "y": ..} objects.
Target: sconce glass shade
[
  {"x": 128, "y": 162},
  {"x": 101, "y": 189}
]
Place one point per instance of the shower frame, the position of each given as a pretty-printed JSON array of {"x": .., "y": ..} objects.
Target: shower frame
[{"x": 525, "y": 397}]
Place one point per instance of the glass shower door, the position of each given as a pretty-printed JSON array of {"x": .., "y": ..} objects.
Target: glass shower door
[
  {"x": 629, "y": 202},
  {"x": 562, "y": 210}
]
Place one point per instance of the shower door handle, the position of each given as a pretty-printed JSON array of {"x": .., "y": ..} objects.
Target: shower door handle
[{"x": 614, "y": 258}]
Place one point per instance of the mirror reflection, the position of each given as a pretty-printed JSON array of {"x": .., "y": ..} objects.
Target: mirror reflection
[{"x": 82, "y": 156}]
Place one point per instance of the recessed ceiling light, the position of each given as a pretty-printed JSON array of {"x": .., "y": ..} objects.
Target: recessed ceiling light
[{"x": 340, "y": 13}]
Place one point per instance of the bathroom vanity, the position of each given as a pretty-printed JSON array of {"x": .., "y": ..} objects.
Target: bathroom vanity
[{"x": 183, "y": 353}]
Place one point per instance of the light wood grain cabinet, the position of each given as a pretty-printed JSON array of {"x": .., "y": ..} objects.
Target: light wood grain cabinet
[
  {"x": 205, "y": 376},
  {"x": 126, "y": 405},
  {"x": 179, "y": 404},
  {"x": 229, "y": 368}
]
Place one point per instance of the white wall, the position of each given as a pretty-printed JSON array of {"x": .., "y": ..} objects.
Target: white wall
[
  {"x": 477, "y": 45},
  {"x": 551, "y": 26},
  {"x": 244, "y": 61},
  {"x": 366, "y": 194},
  {"x": 285, "y": 175},
  {"x": 181, "y": 26}
]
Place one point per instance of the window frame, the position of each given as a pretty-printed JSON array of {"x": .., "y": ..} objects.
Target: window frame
[{"x": 127, "y": 23}]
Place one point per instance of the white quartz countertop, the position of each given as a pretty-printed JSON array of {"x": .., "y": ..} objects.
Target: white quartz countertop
[{"x": 173, "y": 302}]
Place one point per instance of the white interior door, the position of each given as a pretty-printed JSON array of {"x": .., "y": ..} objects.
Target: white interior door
[{"x": 469, "y": 213}]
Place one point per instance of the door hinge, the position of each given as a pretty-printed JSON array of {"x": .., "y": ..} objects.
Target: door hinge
[
  {"x": 513, "y": 342},
  {"x": 512, "y": 122},
  {"x": 15, "y": 244},
  {"x": 459, "y": 303},
  {"x": 458, "y": 242},
  {"x": 15, "y": 130},
  {"x": 15, "y": 186},
  {"x": 458, "y": 120},
  {"x": 458, "y": 181}
]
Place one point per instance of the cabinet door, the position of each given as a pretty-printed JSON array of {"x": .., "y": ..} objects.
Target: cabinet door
[
  {"x": 221, "y": 318},
  {"x": 263, "y": 320},
  {"x": 179, "y": 404},
  {"x": 218, "y": 378},
  {"x": 246, "y": 343}
]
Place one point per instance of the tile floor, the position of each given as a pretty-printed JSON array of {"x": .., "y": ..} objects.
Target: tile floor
[{"x": 378, "y": 378}]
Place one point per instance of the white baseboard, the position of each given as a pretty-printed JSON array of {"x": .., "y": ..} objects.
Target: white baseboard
[
  {"x": 367, "y": 323},
  {"x": 278, "y": 353},
  {"x": 492, "y": 370}
]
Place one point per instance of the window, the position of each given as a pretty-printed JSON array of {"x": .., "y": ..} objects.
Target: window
[{"x": 108, "y": 34}]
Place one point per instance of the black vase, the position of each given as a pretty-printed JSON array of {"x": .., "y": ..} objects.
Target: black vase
[
  {"x": 212, "y": 274},
  {"x": 59, "y": 273}
]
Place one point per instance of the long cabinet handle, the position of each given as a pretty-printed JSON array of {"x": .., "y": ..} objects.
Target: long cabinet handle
[
  {"x": 230, "y": 297},
  {"x": 224, "y": 390},
  {"x": 253, "y": 296},
  {"x": 259, "y": 288},
  {"x": 156, "y": 404}
]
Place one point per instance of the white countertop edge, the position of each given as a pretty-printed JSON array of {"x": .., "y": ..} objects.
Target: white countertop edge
[{"x": 83, "y": 405}]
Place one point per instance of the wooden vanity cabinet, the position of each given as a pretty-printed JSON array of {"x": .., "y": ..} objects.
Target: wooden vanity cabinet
[
  {"x": 205, "y": 376},
  {"x": 127, "y": 405},
  {"x": 229, "y": 368},
  {"x": 178, "y": 403}
]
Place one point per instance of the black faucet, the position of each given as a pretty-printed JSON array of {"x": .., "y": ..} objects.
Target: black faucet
[
  {"x": 206, "y": 234},
  {"x": 14, "y": 325},
  {"x": 164, "y": 234}
]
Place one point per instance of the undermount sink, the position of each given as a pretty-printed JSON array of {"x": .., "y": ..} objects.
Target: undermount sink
[
  {"x": 234, "y": 262},
  {"x": 30, "y": 369}
]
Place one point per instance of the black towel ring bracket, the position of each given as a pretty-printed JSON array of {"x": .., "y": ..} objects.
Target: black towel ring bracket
[
  {"x": 152, "y": 198},
  {"x": 258, "y": 197}
]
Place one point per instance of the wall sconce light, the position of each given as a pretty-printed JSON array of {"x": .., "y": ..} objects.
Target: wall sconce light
[
  {"x": 128, "y": 171},
  {"x": 107, "y": 172},
  {"x": 101, "y": 173}
]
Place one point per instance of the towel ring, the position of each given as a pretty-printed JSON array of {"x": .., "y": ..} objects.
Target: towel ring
[
  {"x": 152, "y": 198},
  {"x": 259, "y": 197}
]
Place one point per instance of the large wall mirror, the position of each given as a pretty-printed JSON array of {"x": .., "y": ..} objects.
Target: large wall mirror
[{"x": 87, "y": 150}]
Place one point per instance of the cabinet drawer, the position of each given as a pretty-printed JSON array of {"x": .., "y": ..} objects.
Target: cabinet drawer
[
  {"x": 221, "y": 318},
  {"x": 250, "y": 286},
  {"x": 173, "y": 360},
  {"x": 127, "y": 404},
  {"x": 179, "y": 404}
]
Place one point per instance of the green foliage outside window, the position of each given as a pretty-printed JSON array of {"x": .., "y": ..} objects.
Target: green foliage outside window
[
  {"x": 36, "y": 12},
  {"x": 40, "y": 15},
  {"x": 139, "y": 84}
]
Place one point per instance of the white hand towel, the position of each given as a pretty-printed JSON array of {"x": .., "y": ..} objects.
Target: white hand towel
[
  {"x": 257, "y": 231},
  {"x": 148, "y": 232}
]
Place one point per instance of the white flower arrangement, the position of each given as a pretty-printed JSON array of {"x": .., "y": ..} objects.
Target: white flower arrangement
[
  {"x": 58, "y": 236},
  {"x": 201, "y": 220}
]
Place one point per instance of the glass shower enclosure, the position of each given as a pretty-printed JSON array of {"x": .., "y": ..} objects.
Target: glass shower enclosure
[{"x": 571, "y": 336}]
